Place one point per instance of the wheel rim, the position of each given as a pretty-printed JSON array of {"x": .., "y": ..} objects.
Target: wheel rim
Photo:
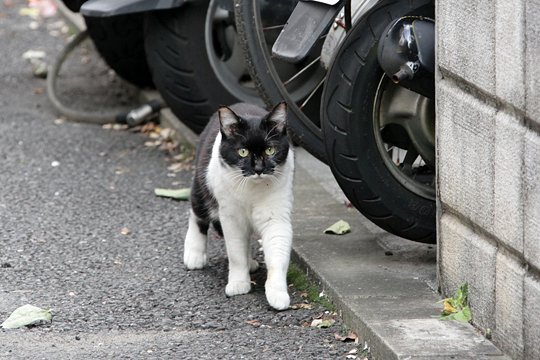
[
  {"x": 301, "y": 84},
  {"x": 225, "y": 54},
  {"x": 404, "y": 129}
]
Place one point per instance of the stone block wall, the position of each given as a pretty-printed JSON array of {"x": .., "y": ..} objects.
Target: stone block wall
[{"x": 488, "y": 148}]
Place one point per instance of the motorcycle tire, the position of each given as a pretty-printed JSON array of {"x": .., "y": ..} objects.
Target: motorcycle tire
[
  {"x": 351, "y": 106},
  {"x": 188, "y": 53},
  {"x": 267, "y": 72},
  {"x": 73, "y": 5},
  {"x": 120, "y": 42}
]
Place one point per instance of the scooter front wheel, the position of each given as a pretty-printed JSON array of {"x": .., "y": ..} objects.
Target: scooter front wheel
[
  {"x": 370, "y": 125},
  {"x": 119, "y": 41},
  {"x": 196, "y": 61}
]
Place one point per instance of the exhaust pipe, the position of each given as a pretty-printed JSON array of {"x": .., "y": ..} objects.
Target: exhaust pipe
[{"x": 406, "y": 53}]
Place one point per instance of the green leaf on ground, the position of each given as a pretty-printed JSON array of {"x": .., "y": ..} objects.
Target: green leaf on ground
[
  {"x": 339, "y": 228},
  {"x": 26, "y": 315},
  {"x": 326, "y": 323},
  {"x": 322, "y": 323},
  {"x": 178, "y": 194},
  {"x": 457, "y": 307}
]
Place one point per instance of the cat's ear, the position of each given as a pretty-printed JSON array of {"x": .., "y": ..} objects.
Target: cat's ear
[
  {"x": 228, "y": 120},
  {"x": 277, "y": 118}
]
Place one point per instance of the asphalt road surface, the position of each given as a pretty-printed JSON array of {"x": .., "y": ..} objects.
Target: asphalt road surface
[{"x": 69, "y": 191}]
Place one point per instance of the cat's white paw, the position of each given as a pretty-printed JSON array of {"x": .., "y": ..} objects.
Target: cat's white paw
[
  {"x": 277, "y": 299},
  {"x": 237, "y": 288},
  {"x": 253, "y": 265},
  {"x": 195, "y": 260}
]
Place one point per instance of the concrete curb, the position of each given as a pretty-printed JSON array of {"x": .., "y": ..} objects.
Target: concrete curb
[{"x": 383, "y": 286}]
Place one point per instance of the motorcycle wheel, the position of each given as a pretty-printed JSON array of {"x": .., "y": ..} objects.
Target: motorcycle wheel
[
  {"x": 119, "y": 41},
  {"x": 371, "y": 131},
  {"x": 259, "y": 23},
  {"x": 196, "y": 61}
]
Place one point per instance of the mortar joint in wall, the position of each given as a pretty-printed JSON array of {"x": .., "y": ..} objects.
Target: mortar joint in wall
[
  {"x": 489, "y": 99},
  {"x": 493, "y": 240}
]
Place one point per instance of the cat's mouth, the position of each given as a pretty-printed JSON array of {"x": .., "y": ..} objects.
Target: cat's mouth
[{"x": 259, "y": 177}]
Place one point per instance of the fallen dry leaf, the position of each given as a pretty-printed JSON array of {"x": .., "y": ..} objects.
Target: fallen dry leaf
[
  {"x": 169, "y": 146},
  {"x": 350, "y": 337},
  {"x": 177, "y": 167},
  {"x": 322, "y": 324},
  {"x": 448, "y": 308},
  {"x": 302, "y": 306},
  {"x": 253, "y": 322},
  {"x": 183, "y": 156},
  {"x": 166, "y": 133},
  {"x": 152, "y": 143},
  {"x": 148, "y": 128},
  {"x": 120, "y": 170},
  {"x": 116, "y": 127}
]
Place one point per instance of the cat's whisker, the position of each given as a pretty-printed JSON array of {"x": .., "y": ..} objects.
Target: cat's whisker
[
  {"x": 236, "y": 180},
  {"x": 277, "y": 172},
  {"x": 244, "y": 183},
  {"x": 239, "y": 179},
  {"x": 271, "y": 134},
  {"x": 237, "y": 175}
]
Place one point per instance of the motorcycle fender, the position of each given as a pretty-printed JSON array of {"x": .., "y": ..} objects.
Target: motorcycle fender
[
  {"x": 337, "y": 33},
  {"x": 307, "y": 23},
  {"x": 105, "y": 8}
]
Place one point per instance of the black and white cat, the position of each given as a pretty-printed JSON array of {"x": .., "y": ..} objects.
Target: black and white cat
[{"x": 243, "y": 185}]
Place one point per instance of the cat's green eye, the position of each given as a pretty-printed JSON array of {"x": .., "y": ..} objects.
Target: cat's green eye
[
  {"x": 243, "y": 152},
  {"x": 270, "y": 151}
]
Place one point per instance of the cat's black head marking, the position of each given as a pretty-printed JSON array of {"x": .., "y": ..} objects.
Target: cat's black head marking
[{"x": 255, "y": 145}]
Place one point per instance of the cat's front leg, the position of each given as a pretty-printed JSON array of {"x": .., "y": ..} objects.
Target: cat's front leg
[
  {"x": 195, "y": 256},
  {"x": 277, "y": 241},
  {"x": 236, "y": 235}
]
